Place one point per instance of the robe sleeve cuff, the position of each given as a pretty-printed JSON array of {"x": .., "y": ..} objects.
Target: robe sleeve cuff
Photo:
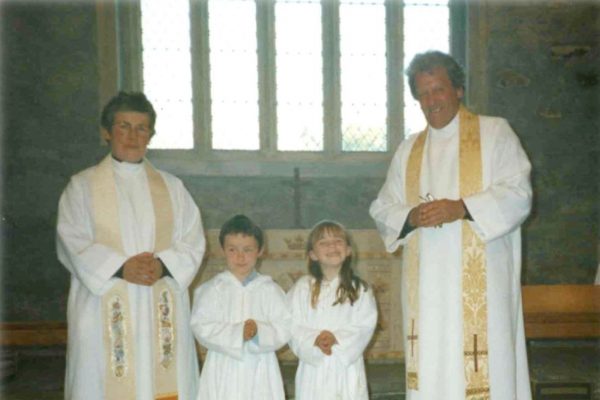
[
  {"x": 467, "y": 215},
  {"x": 406, "y": 229},
  {"x": 182, "y": 275},
  {"x": 478, "y": 207},
  {"x": 99, "y": 282},
  {"x": 165, "y": 270}
]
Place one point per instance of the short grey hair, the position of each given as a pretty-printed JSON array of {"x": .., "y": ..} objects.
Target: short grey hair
[{"x": 427, "y": 62}]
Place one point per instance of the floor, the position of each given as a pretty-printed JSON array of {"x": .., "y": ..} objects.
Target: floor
[{"x": 575, "y": 365}]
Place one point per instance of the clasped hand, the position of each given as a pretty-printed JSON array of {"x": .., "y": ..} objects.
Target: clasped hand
[
  {"x": 436, "y": 213},
  {"x": 325, "y": 342},
  {"x": 142, "y": 269},
  {"x": 250, "y": 329}
]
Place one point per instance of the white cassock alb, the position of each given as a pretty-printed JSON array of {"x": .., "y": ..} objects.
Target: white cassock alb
[
  {"x": 341, "y": 375},
  {"x": 92, "y": 266},
  {"x": 234, "y": 368},
  {"x": 498, "y": 211}
]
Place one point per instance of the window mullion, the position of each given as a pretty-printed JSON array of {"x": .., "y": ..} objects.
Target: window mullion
[
  {"x": 200, "y": 76},
  {"x": 395, "y": 73},
  {"x": 265, "y": 25},
  {"x": 108, "y": 50},
  {"x": 458, "y": 34},
  {"x": 332, "y": 142},
  {"x": 130, "y": 49}
]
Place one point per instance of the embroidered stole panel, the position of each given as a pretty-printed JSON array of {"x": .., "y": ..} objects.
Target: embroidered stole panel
[
  {"x": 474, "y": 277},
  {"x": 413, "y": 174},
  {"x": 474, "y": 290},
  {"x": 118, "y": 340}
]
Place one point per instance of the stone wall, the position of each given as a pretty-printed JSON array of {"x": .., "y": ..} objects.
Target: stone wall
[
  {"x": 536, "y": 65},
  {"x": 540, "y": 71}
]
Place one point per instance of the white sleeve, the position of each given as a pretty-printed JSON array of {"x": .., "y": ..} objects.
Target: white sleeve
[
  {"x": 390, "y": 209},
  {"x": 354, "y": 338},
  {"x": 184, "y": 256},
  {"x": 303, "y": 336},
  {"x": 92, "y": 263},
  {"x": 274, "y": 331},
  {"x": 209, "y": 326},
  {"x": 505, "y": 203}
]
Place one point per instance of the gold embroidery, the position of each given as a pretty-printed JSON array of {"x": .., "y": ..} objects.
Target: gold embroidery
[
  {"x": 412, "y": 338},
  {"x": 118, "y": 335},
  {"x": 118, "y": 344},
  {"x": 167, "y": 397},
  {"x": 413, "y": 175},
  {"x": 165, "y": 328},
  {"x": 165, "y": 344},
  {"x": 474, "y": 265},
  {"x": 120, "y": 384}
]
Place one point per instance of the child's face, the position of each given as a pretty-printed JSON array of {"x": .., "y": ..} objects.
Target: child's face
[
  {"x": 330, "y": 250},
  {"x": 241, "y": 252}
]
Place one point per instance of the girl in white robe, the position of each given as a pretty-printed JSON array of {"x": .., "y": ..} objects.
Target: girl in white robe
[{"x": 333, "y": 318}]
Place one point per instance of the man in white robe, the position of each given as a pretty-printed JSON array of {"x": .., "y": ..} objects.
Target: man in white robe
[
  {"x": 439, "y": 366},
  {"x": 109, "y": 236}
]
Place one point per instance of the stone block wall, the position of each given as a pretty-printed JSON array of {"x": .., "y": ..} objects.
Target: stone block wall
[
  {"x": 534, "y": 63},
  {"x": 537, "y": 63}
]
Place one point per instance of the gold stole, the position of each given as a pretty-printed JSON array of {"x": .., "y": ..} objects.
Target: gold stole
[
  {"x": 474, "y": 290},
  {"x": 118, "y": 340}
]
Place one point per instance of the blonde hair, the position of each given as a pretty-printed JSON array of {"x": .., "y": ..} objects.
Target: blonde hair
[{"x": 350, "y": 283}]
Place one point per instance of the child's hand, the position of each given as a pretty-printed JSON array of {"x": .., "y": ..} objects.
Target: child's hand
[
  {"x": 325, "y": 342},
  {"x": 250, "y": 329}
]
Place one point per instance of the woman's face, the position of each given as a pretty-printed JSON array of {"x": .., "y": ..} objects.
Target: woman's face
[{"x": 129, "y": 136}]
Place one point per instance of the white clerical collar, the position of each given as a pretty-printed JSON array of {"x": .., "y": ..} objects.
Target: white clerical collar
[
  {"x": 447, "y": 130},
  {"x": 125, "y": 167}
]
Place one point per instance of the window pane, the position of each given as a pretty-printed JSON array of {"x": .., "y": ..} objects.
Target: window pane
[
  {"x": 299, "y": 75},
  {"x": 167, "y": 71},
  {"x": 426, "y": 27},
  {"x": 363, "y": 75},
  {"x": 233, "y": 74}
]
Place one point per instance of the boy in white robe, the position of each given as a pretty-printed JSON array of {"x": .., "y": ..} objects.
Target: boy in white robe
[
  {"x": 240, "y": 316},
  {"x": 333, "y": 319}
]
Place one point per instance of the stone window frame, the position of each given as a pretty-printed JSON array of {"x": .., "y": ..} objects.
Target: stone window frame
[{"x": 118, "y": 35}]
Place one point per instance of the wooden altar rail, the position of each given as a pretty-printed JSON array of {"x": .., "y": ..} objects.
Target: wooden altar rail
[
  {"x": 551, "y": 312},
  {"x": 561, "y": 311}
]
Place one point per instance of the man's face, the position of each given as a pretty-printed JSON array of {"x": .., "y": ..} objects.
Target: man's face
[
  {"x": 129, "y": 136},
  {"x": 439, "y": 100}
]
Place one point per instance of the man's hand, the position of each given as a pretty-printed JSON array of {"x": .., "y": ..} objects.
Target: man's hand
[
  {"x": 325, "y": 342},
  {"x": 436, "y": 212},
  {"x": 250, "y": 329},
  {"x": 142, "y": 269}
]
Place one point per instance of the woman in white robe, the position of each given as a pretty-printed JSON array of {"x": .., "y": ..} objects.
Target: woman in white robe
[{"x": 94, "y": 269}]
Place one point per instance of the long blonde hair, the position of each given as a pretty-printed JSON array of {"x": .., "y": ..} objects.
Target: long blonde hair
[{"x": 350, "y": 283}]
